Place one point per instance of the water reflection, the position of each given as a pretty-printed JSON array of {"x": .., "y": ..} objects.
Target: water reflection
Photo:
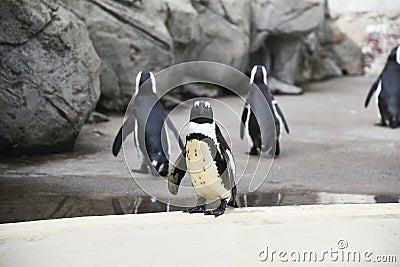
[{"x": 36, "y": 206}]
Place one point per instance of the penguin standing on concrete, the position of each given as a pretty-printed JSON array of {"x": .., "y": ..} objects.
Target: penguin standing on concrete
[
  {"x": 209, "y": 161},
  {"x": 387, "y": 88},
  {"x": 146, "y": 120},
  {"x": 265, "y": 130}
]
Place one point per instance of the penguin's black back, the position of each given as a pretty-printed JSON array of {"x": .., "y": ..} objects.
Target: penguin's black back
[
  {"x": 254, "y": 128},
  {"x": 390, "y": 78},
  {"x": 154, "y": 126},
  {"x": 150, "y": 116}
]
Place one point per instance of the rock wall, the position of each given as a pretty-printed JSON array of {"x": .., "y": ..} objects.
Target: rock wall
[
  {"x": 373, "y": 25},
  {"x": 49, "y": 77},
  {"x": 279, "y": 29},
  {"x": 133, "y": 35},
  {"x": 328, "y": 52},
  {"x": 130, "y": 36}
]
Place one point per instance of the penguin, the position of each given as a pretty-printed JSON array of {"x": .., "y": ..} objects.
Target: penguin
[
  {"x": 145, "y": 119},
  {"x": 387, "y": 88},
  {"x": 255, "y": 115},
  {"x": 209, "y": 161}
]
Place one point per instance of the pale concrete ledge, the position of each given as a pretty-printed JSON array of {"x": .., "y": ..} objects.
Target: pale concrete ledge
[{"x": 233, "y": 239}]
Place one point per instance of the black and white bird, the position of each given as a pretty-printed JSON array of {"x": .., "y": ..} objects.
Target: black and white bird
[
  {"x": 265, "y": 130},
  {"x": 209, "y": 161},
  {"x": 146, "y": 119},
  {"x": 387, "y": 88}
]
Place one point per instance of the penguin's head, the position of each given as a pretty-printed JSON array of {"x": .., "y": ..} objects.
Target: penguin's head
[
  {"x": 201, "y": 112},
  {"x": 146, "y": 82},
  {"x": 258, "y": 74}
]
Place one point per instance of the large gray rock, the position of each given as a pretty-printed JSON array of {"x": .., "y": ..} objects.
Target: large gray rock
[
  {"x": 316, "y": 62},
  {"x": 283, "y": 18},
  {"x": 49, "y": 77},
  {"x": 299, "y": 41},
  {"x": 337, "y": 53},
  {"x": 217, "y": 31},
  {"x": 133, "y": 35},
  {"x": 373, "y": 25},
  {"x": 129, "y": 36},
  {"x": 278, "y": 32},
  {"x": 181, "y": 20},
  {"x": 210, "y": 30},
  {"x": 317, "y": 58},
  {"x": 225, "y": 32}
]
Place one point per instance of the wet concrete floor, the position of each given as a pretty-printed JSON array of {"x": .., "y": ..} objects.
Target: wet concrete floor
[{"x": 333, "y": 154}]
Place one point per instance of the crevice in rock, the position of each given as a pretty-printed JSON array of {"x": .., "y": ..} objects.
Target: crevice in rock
[
  {"x": 163, "y": 44},
  {"x": 130, "y": 3},
  {"x": 168, "y": 20},
  {"x": 63, "y": 113},
  {"x": 298, "y": 13},
  {"x": 34, "y": 36},
  {"x": 226, "y": 16}
]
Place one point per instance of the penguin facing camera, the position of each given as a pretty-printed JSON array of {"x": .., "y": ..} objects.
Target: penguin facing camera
[
  {"x": 145, "y": 119},
  {"x": 387, "y": 91},
  {"x": 265, "y": 131},
  {"x": 209, "y": 161}
]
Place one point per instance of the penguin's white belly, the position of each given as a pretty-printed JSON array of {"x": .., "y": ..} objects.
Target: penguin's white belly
[{"x": 203, "y": 171}]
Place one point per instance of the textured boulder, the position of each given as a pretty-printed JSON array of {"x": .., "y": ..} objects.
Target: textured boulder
[
  {"x": 372, "y": 25},
  {"x": 283, "y": 17},
  {"x": 49, "y": 77},
  {"x": 133, "y": 35},
  {"x": 317, "y": 61},
  {"x": 225, "y": 32},
  {"x": 129, "y": 36},
  {"x": 278, "y": 31},
  {"x": 216, "y": 31},
  {"x": 324, "y": 53},
  {"x": 181, "y": 20},
  {"x": 210, "y": 30},
  {"x": 299, "y": 41}
]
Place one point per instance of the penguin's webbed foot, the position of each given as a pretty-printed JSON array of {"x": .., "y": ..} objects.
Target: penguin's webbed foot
[
  {"x": 218, "y": 211},
  {"x": 197, "y": 209},
  {"x": 254, "y": 151}
]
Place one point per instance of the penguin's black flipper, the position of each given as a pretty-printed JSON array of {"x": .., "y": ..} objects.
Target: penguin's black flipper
[
  {"x": 175, "y": 132},
  {"x": 244, "y": 118},
  {"x": 177, "y": 173},
  {"x": 372, "y": 91},
  {"x": 283, "y": 117},
  {"x": 128, "y": 127},
  {"x": 229, "y": 179},
  {"x": 117, "y": 143}
]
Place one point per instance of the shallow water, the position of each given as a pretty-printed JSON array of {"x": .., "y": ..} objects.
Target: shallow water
[{"x": 42, "y": 206}]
